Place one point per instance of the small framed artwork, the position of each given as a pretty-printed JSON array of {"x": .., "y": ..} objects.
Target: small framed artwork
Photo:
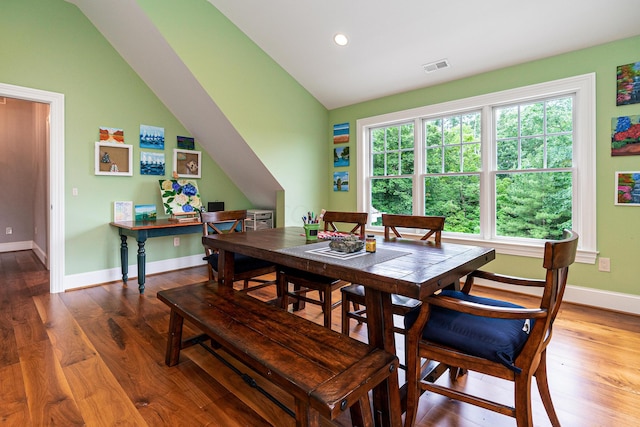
[
  {"x": 625, "y": 136},
  {"x": 187, "y": 163},
  {"x": 151, "y": 163},
  {"x": 151, "y": 137},
  {"x": 341, "y": 133},
  {"x": 341, "y": 181},
  {"x": 113, "y": 159},
  {"x": 627, "y": 188},
  {"x": 186, "y": 143},
  {"x": 112, "y": 135},
  {"x": 122, "y": 211},
  {"x": 341, "y": 156},
  {"x": 628, "y": 84},
  {"x": 146, "y": 212}
]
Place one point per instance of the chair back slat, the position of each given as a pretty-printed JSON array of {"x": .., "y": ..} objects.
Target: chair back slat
[
  {"x": 357, "y": 219},
  {"x": 433, "y": 224},
  {"x": 211, "y": 221}
]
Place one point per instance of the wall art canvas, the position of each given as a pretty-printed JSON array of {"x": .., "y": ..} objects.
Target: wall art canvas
[
  {"x": 341, "y": 133},
  {"x": 180, "y": 196},
  {"x": 628, "y": 84},
  {"x": 151, "y": 137},
  {"x": 145, "y": 212},
  {"x": 627, "y": 188},
  {"x": 186, "y": 143},
  {"x": 625, "y": 136},
  {"x": 341, "y": 156},
  {"x": 114, "y": 135},
  {"x": 341, "y": 181},
  {"x": 123, "y": 211},
  {"x": 151, "y": 163}
]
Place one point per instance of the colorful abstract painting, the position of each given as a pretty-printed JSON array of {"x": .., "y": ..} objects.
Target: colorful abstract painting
[
  {"x": 628, "y": 188},
  {"x": 628, "y": 84},
  {"x": 625, "y": 136}
]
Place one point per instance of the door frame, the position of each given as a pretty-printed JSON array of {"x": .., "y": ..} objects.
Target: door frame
[{"x": 56, "y": 240}]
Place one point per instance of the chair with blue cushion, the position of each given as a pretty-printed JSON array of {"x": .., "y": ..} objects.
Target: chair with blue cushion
[
  {"x": 246, "y": 268},
  {"x": 492, "y": 337}
]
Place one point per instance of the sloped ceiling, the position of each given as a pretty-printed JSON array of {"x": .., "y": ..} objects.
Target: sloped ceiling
[{"x": 124, "y": 24}]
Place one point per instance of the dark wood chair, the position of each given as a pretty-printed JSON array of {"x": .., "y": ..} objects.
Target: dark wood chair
[
  {"x": 334, "y": 221},
  {"x": 493, "y": 337},
  {"x": 247, "y": 269},
  {"x": 304, "y": 283},
  {"x": 354, "y": 294}
]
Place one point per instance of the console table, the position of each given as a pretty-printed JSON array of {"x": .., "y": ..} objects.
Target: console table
[{"x": 141, "y": 231}]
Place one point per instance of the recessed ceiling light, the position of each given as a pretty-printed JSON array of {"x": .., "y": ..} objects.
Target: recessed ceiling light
[{"x": 340, "y": 39}]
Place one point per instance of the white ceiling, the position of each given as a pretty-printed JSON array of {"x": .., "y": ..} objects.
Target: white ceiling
[{"x": 390, "y": 40}]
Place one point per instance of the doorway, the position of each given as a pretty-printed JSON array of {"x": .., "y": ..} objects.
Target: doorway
[{"x": 55, "y": 196}]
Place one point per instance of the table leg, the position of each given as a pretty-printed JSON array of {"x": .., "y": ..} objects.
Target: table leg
[
  {"x": 124, "y": 258},
  {"x": 142, "y": 257},
  {"x": 386, "y": 396},
  {"x": 174, "y": 342},
  {"x": 226, "y": 267}
]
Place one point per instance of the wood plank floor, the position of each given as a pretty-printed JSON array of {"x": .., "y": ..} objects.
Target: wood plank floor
[{"x": 95, "y": 357}]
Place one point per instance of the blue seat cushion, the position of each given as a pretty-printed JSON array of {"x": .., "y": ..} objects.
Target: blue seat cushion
[
  {"x": 242, "y": 263},
  {"x": 499, "y": 340}
]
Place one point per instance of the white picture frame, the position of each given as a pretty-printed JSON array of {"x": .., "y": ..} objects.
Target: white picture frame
[
  {"x": 187, "y": 163},
  {"x": 113, "y": 159}
]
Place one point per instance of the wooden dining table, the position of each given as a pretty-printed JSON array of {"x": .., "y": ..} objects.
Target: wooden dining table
[{"x": 408, "y": 267}]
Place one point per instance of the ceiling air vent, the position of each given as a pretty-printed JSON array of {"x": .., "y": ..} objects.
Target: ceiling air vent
[{"x": 435, "y": 66}]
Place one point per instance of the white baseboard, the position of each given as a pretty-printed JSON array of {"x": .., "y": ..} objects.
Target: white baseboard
[
  {"x": 16, "y": 246},
  {"x": 608, "y": 300},
  {"x": 42, "y": 255},
  {"x": 82, "y": 280}
]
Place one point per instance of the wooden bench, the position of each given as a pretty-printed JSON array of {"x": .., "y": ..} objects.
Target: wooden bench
[{"x": 326, "y": 372}]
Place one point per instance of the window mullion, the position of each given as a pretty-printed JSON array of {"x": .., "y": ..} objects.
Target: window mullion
[{"x": 419, "y": 166}]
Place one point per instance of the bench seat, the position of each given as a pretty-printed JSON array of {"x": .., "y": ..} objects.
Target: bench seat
[{"x": 326, "y": 372}]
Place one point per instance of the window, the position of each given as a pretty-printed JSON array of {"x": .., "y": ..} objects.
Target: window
[{"x": 507, "y": 169}]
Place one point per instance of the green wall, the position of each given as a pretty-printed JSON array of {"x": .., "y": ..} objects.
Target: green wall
[
  {"x": 618, "y": 232},
  {"x": 278, "y": 118},
  {"x": 50, "y": 45}
]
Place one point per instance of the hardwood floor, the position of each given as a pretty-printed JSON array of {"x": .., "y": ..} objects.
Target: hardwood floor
[{"x": 95, "y": 357}]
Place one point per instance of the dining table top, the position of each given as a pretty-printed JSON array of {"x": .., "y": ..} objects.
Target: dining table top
[{"x": 409, "y": 267}]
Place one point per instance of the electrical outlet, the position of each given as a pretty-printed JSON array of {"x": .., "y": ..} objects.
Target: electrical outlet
[
  {"x": 176, "y": 241},
  {"x": 9, "y": 230},
  {"x": 604, "y": 264}
]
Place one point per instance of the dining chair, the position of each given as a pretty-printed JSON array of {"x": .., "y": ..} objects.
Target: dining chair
[
  {"x": 493, "y": 337},
  {"x": 247, "y": 269},
  {"x": 356, "y": 221},
  {"x": 353, "y": 295},
  {"x": 304, "y": 283}
]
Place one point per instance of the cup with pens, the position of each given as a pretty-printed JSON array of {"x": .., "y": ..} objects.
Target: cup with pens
[{"x": 311, "y": 226}]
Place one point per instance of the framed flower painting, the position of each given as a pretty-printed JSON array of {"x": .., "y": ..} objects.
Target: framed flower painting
[{"x": 180, "y": 196}]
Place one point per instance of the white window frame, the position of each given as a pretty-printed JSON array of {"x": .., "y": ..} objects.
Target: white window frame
[{"x": 584, "y": 160}]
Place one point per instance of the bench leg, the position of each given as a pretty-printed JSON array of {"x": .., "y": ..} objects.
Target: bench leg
[{"x": 174, "y": 341}]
